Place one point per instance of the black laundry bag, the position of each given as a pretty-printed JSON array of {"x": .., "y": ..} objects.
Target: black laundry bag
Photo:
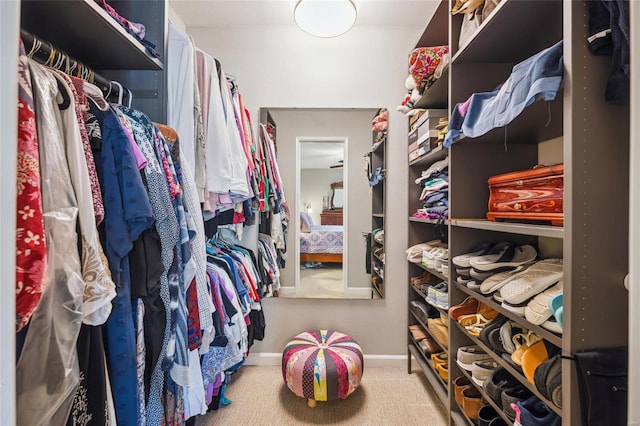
[{"x": 603, "y": 376}]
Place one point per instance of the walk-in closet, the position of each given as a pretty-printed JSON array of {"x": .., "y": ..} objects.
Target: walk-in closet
[{"x": 358, "y": 212}]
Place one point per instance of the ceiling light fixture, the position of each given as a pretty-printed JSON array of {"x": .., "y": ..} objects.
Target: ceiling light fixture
[{"x": 325, "y": 18}]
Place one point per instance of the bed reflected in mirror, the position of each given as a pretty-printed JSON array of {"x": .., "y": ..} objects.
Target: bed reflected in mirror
[
  {"x": 321, "y": 157},
  {"x": 321, "y": 166}
]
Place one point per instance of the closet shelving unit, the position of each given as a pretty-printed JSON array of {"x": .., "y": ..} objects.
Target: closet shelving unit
[
  {"x": 421, "y": 229},
  {"x": 579, "y": 129},
  {"x": 82, "y": 29},
  {"x": 378, "y": 195}
]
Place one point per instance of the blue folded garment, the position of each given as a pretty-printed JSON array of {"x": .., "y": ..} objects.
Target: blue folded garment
[{"x": 537, "y": 77}]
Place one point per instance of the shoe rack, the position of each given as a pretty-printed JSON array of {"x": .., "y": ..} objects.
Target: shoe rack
[
  {"x": 424, "y": 229},
  {"x": 579, "y": 129},
  {"x": 378, "y": 159}
]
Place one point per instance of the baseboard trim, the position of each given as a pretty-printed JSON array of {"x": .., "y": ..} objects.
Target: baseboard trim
[{"x": 273, "y": 358}]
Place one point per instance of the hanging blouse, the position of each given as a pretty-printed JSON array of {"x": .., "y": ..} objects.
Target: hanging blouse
[
  {"x": 81, "y": 111},
  {"x": 128, "y": 215},
  {"x": 31, "y": 253},
  {"x": 100, "y": 289}
]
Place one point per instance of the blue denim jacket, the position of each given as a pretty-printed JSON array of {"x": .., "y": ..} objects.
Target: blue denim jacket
[{"x": 536, "y": 77}]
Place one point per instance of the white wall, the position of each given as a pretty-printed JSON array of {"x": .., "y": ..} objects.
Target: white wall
[
  {"x": 314, "y": 185},
  {"x": 9, "y": 30},
  {"x": 175, "y": 19},
  {"x": 282, "y": 67}
]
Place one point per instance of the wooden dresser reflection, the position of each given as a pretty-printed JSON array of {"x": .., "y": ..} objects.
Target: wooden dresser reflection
[{"x": 331, "y": 217}]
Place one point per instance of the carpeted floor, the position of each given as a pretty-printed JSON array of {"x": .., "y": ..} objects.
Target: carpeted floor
[
  {"x": 386, "y": 396},
  {"x": 322, "y": 282}
]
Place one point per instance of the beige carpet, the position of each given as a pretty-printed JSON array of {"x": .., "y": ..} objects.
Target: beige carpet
[
  {"x": 386, "y": 396},
  {"x": 323, "y": 282}
]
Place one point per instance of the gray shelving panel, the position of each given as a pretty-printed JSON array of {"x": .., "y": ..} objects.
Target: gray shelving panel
[
  {"x": 82, "y": 29},
  {"x": 437, "y": 96},
  {"x": 430, "y": 157},
  {"x": 437, "y": 32},
  {"x": 423, "y": 220},
  {"x": 439, "y": 387},
  {"x": 514, "y": 31},
  {"x": 511, "y": 227},
  {"x": 596, "y": 179}
]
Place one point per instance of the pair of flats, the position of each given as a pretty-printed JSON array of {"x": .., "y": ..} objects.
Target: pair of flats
[
  {"x": 533, "y": 412},
  {"x": 438, "y": 295},
  {"x": 488, "y": 258},
  {"x": 504, "y": 389},
  {"x": 436, "y": 257}
]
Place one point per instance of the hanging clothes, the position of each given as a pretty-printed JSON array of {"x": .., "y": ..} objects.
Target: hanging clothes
[
  {"x": 31, "y": 251},
  {"x": 47, "y": 372}
]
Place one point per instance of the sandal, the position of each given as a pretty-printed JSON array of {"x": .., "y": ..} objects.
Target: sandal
[
  {"x": 523, "y": 342},
  {"x": 473, "y": 323}
]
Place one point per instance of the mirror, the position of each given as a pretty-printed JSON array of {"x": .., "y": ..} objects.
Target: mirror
[
  {"x": 336, "y": 195},
  {"x": 321, "y": 161}
]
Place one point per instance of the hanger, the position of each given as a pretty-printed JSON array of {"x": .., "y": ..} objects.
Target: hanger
[
  {"x": 120, "y": 90},
  {"x": 35, "y": 46},
  {"x": 62, "y": 89},
  {"x": 130, "y": 101}
]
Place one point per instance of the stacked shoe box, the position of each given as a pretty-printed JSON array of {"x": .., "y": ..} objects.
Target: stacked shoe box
[{"x": 423, "y": 134}]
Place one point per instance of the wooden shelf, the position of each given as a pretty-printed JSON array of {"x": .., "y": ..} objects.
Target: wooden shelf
[
  {"x": 433, "y": 378},
  {"x": 486, "y": 396},
  {"x": 510, "y": 227},
  {"x": 530, "y": 127},
  {"x": 85, "y": 31},
  {"x": 436, "y": 96},
  {"x": 465, "y": 419},
  {"x": 419, "y": 293},
  {"x": 515, "y": 373},
  {"x": 430, "y": 157},
  {"x": 379, "y": 215},
  {"x": 426, "y": 329},
  {"x": 376, "y": 273},
  {"x": 431, "y": 271},
  {"x": 494, "y": 40},
  {"x": 423, "y": 220},
  {"x": 542, "y": 332},
  {"x": 379, "y": 291}
]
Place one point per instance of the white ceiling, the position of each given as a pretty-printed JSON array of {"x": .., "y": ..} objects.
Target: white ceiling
[
  {"x": 238, "y": 13},
  {"x": 320, "y": 155}
]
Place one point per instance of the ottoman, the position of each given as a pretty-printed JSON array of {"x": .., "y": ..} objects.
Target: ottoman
[{"x": 322, "y": 365}]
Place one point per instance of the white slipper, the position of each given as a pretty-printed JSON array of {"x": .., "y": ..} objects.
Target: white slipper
[
  {"x": 537, "y": 310},
  {"x": 495, "y": 282},
  {"x": 463, "y": 260},
  {"x": 507, "y": 257},
  {"x": 534, "y": 280}
]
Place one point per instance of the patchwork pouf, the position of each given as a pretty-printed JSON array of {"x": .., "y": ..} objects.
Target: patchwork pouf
[{"x": 322, "y": 365}]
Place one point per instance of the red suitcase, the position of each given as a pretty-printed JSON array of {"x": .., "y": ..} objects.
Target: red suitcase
[{"x": 528, "y": 195}]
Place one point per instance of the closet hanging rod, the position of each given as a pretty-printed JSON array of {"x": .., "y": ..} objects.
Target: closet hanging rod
[{"x": 42, "y": 52}]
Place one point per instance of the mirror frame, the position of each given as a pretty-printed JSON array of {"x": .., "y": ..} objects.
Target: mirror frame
[
  {"x": 345, "y": 230},
  {"x": 334, "y": 186}
]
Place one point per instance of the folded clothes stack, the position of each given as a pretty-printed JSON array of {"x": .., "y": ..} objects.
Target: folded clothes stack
[{"x": 434, "y": 197}]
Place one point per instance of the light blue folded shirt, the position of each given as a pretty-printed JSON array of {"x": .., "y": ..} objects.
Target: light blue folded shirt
[{"x": 538, "y": 77}]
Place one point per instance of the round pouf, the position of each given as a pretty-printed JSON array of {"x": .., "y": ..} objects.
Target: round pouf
[{"x": 322, "y": 365}]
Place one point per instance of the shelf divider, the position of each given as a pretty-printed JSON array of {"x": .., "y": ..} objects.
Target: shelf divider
[{"x": 510, "y": 227}]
